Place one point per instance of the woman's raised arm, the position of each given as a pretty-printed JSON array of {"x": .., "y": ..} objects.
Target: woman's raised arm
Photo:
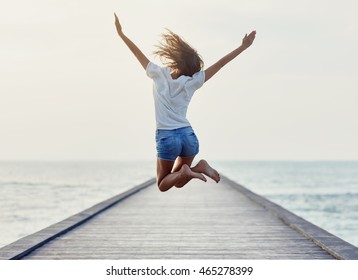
[
  {"x": 135, "y": 50},
  {"x": 246, "y": 42}
]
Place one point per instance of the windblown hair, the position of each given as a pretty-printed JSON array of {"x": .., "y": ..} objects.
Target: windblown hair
[{"x": 179, "y": 55}]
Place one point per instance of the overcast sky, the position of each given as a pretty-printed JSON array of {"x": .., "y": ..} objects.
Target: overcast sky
[{"x": 70, "y": 88}]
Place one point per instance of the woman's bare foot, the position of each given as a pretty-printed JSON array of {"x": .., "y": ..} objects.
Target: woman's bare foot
[
  {"x": 186, "y": 174},
  {"x": 204, "y": 167}
]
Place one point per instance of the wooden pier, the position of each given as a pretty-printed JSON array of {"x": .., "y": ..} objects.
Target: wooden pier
[{"x": 199, "y": 221}]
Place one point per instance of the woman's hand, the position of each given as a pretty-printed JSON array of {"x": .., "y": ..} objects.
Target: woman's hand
[
  {"x": 248, "y": 39},
  {"x": 118, "y": 25},
  {"x": 134, "y": 49}
]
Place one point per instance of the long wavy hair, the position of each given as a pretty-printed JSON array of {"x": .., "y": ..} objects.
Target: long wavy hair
[{"x": 178, "y": 55}]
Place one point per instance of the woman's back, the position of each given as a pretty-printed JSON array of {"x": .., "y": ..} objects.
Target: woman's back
[{"x": 172, "y": 96}]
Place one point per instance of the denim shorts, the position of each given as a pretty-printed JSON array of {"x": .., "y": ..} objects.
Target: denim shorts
[{"x": 180, "y": 142}]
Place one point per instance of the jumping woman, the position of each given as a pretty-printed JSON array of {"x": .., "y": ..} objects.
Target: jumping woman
[{"x": 174, "y": 86}]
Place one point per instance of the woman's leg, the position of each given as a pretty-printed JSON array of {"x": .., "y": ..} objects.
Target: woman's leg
[
  {"x": 166, "y": 179},
  {"x": 202, "y": 167},
  {"x": 191, "y": 147},
  {"x": 180, "y": 161},
  {"x": 205, "y": 168}
]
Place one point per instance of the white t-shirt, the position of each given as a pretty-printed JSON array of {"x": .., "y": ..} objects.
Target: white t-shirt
[{"x": 172, "y": 96}]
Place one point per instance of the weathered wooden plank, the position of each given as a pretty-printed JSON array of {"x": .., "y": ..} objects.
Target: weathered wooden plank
[
  {"x": 335, "y": 246},
  {"x": 29, "y": 243},
  {"x": 200, "y": 221}
]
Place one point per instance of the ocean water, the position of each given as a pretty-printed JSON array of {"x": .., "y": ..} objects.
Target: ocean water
[{"x": 34, "y": 195}]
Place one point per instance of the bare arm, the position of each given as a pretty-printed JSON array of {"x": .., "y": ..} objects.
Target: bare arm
[
  {"x": 135, "y": 50},
  {"x": 246, "y": 42}
]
